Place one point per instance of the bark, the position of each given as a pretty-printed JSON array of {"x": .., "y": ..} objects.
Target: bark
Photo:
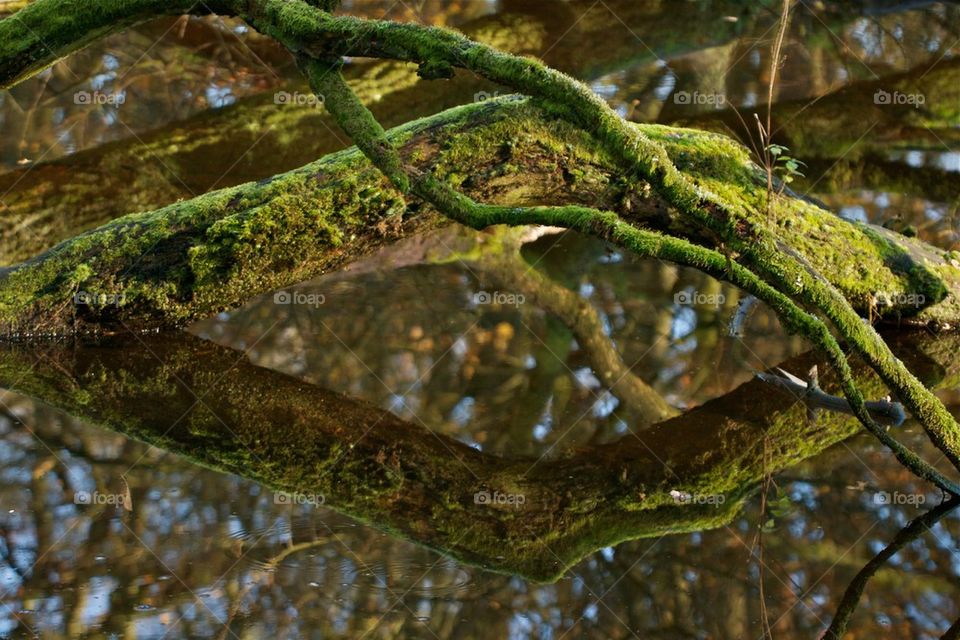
[{"x": 294, "y": 437}]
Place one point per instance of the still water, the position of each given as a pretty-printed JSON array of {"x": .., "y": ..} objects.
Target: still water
[{"x": 524, "y": 403}]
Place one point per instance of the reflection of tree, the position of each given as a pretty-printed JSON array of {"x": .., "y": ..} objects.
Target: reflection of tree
[
  {"x": 285, "y": 435},
  {"x": 505, "y": 268},
  {"x": 851, "y": 598},
  {"x": 677, "y": 586},
  {"x": 600, "y": 316}
]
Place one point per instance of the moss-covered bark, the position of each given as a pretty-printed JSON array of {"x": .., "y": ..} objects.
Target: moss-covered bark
[
  {"x": 367, "y": 463},
  {"x": 196, "y": 257}
]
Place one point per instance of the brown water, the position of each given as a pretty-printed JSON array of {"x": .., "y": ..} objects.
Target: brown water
[{"x": 203, "y": 554}]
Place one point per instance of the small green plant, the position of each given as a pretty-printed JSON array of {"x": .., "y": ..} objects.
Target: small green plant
[
  {"x": 787, "y": 167},
  {"x": 778, "y": 164}
]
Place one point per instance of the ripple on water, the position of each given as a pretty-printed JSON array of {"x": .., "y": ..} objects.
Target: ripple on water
[{"x": 313, "y": 548}]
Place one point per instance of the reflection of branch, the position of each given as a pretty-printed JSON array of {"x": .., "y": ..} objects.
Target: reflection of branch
[
  {"x": 269, "y": 566},
  {"x": 827, "y": 127},
  {"x": 417, "y": 484},
  {"x": 511, "y": 271},
  {"x": 851, "y": 598}
]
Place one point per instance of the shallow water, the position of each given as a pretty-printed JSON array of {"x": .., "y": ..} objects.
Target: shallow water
[{"x": 473, "y": 351}]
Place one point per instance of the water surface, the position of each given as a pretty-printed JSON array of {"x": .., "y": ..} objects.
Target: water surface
[{"x": 529, "y": 359}]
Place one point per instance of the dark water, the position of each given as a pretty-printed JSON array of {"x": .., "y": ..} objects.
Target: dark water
[{"x": 502, "y": 353}]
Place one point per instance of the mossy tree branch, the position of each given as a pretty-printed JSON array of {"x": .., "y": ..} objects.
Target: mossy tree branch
[
  {"x": 739, "y": 223},
  {"x": 357, "y": 121}
]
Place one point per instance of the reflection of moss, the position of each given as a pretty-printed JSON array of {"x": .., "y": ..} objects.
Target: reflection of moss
[
  {"x": 849, "y": 123},
  {"x": 290, "y": 436}
]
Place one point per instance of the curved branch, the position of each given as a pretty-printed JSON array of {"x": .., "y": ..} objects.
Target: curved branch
[{"x": 362, "y": 127}]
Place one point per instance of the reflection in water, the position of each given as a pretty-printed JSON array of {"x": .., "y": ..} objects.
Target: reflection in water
[
  {"x": 259, "y": 547},
  {"x": 529, "y": 372},
  {"x": 460, "y": 349},
  {"x": 909, "y": 534},
  {"x": 200, "y": 549}
]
